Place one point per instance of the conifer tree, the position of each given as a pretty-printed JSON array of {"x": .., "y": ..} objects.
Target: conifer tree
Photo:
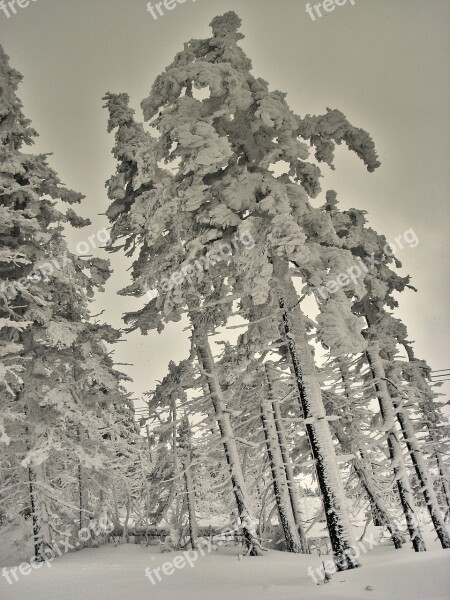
[
  {"x": 384, "y": 333},
  {"x": 54, "y": 362},
  {"x": 219, "y": 185}
]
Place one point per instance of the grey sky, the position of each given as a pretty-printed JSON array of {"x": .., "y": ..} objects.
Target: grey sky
[{"x": 384, "y": 63}]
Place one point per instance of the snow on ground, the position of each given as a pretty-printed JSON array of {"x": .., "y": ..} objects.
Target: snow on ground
[{"x": 118, "y": 573}]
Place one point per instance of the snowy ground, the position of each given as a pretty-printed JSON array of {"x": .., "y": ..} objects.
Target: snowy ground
[{"x": 117, "y": 573}]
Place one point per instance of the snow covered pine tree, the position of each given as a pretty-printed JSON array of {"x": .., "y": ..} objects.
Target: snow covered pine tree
[
  {"x": 218, "y": 185},
  {"x": 55, "y": 369}
]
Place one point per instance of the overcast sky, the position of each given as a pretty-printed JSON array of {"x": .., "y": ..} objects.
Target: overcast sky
[{"x": 384, "y": 63}]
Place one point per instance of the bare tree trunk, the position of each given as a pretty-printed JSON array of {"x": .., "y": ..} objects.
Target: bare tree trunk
[
  {"x": 430, "y": 421},
  {"x": 378, "y": 507},
  {"x": 363, "y": 469},
  {"x": 186, "y": 447},
  {"x": 420, "y": 466},
  {"x": 443, "y": 479},
  {"x": 423, "y": 476},
  {"x": 289, "y": 471},
  {"x": 33, "y": 514},
  {"x": 127, "y": 515},
  {"x": 365, "y": 478},
  {"x": 207, "y": 364},
  {"x": 82, "y": 491},
  {"x": 41, "y": 505},
  {"x": 377, "y": 517},
  {"x": 395, "y": 450},
  {"x": 279, "y": 482},
  {"x": 317, "y": 426},
  {"x": 38, "y": 541}
]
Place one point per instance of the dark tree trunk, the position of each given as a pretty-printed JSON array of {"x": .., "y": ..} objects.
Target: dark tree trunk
[
  {"x": 186, "y": 448},
  {"x": 317, "y": 426},
  {"x": 363, "y": 468},
  {"x": 208, "y": 366},
  {"x": 280, "y": 488},
  {"x": 34, "y": 520},
  {"x": 394, "y": 447},
  {"x": 422, "y": 472},
  {"x": 366, "y": 480},
  {"x": 289, "y": 471}
]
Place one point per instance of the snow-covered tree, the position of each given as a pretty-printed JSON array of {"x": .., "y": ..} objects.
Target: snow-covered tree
[
  {"x": 55, "y": 368},
  {"x": 383, "y": 334},
  {"x": 218, "y": 186}
]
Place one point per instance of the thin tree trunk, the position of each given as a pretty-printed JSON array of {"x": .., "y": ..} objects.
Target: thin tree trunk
[
  {"x": 42, "y": 506},
  {"x": 444, "y": 482},
  {"x": 378, "y": 507},
  {"x": 420, "y": 467},
  {"x": 186, "y": 445},
  {"x": 378, "y": 519},
  {"x": 206, "y": 361},
  {"x": 376, "y": 503},
  {"x": 34, "y": 519},
  {"x": 177, "y": 477},
  {"x": 423, "y": 476},
  {"x": 431, "y": 426},
  {"x": 127, "y": 515},
  {"x": 80, "y": 494},
  {"x": 289, "y": 471},
  {"x": 82, "y": 491},
  {"x": 117, "y": 524},
  {"x": 37, "y": 538},
  {"x": 279, "y": 482},
  {"x": 317, "y": 426},
  {"x": 190, "y": 495},
  {"x": 380, "y": 513},
  {"x": 395, "y": 450}
]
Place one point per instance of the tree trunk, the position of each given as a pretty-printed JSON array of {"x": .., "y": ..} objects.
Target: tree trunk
[
  {"x": 378, "y": 519},
  {"x": 377, "y": 505},
  {"x": 207, "y": 364},
  {"x": 280, "y": 488},
  {"x": 289, "y": 471},
  {"x": 431, "y": 421},
  {"x": 177, "y": 476},
  {"x": 363, "y": 469},
  {"x": 420, "y": 466},
  {"x": 41, "y": 505},
  {"x": 128, "y": 513},
  {"x": 82, "y": 491},
  {"x": 317, "y": 426},
  {"x": 186, "y": 446},
  {"x": 423, "y": 476},
  {"x": 366, "y": 480},
  {"x": 34, "y": 519},
  {"x": 444, "y": 480},
  {"x": 395, "y": 450}
]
